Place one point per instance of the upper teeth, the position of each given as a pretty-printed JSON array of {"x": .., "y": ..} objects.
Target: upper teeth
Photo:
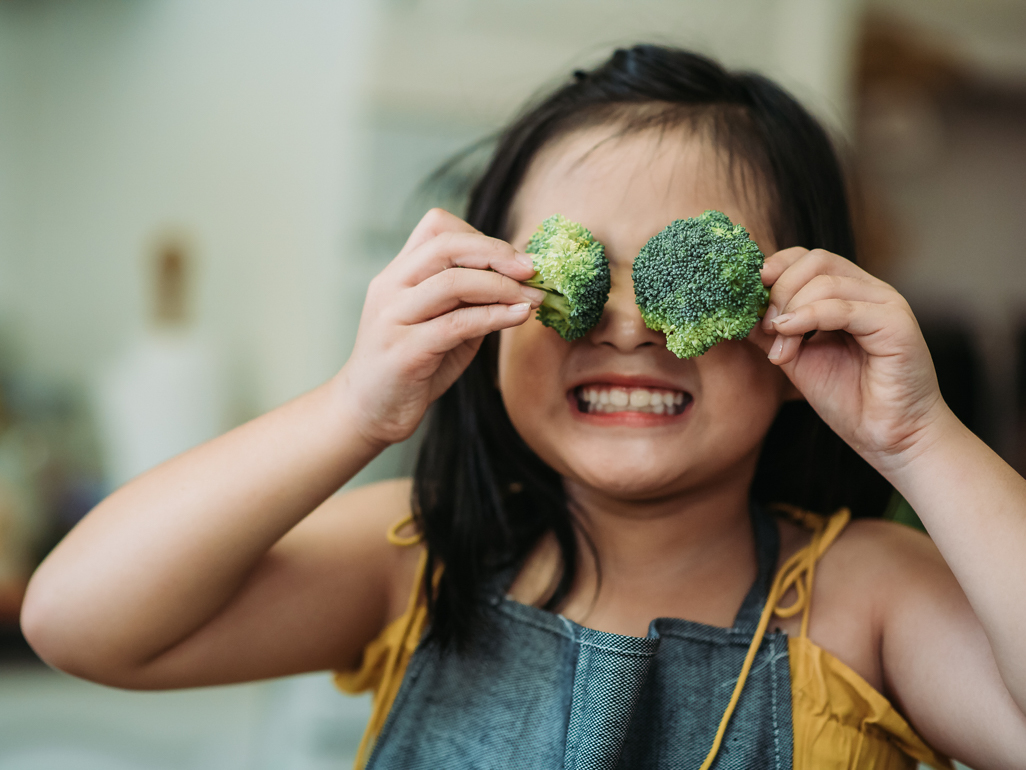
[{"x": 597, "y": 398}]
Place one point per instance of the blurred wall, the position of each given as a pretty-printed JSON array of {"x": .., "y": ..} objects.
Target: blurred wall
[
  {"x": 941, "y": 143},
  {"x": 989, "y": 35},
  {"x": 227, "y": 123},
  {"x": 481, "y": 59}
]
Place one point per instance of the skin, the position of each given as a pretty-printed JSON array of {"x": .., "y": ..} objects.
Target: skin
[{"x": 231, "y": 562}]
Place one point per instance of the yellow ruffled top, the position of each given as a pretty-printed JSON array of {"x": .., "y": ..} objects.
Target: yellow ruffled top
[{"x": 839, "y": 721}]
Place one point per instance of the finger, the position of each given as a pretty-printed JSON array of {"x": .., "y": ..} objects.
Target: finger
[
  {"x": 460, "y": 249},
  {"x": 784, "y": 349},
  {"x": 442, "y": 334},
  {"x": 827, "y": 286},
  {"x": 857, "y": 318},
  {"x": 455, "y": 288},
  {"x": 801, "y": 271},
  {"x": 869, "y": 323},
  {"x": 779, "y": 262},
  {"x": 435, "y": 222}
]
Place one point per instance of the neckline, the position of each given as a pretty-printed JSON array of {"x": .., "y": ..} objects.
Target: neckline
[{"x": 767, "y": 552}]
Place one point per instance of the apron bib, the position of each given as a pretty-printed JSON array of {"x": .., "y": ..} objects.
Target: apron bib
[{"x": 535, "y": 690}]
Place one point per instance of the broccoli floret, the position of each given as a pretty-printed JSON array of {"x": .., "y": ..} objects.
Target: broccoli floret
[
  {"x": 574, "y": 273},
  {"x": 698, "y": 281}
]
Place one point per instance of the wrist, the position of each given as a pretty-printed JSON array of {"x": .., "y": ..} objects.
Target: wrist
[
  {"x": 927, "y": 446},
  {"x": 350, "y": 416}
]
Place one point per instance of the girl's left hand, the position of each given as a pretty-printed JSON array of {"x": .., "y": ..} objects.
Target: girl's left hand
[{"x": 866, "y": 370}]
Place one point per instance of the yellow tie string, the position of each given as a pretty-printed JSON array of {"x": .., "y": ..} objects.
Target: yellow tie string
[
  {"x": 403, "y": 541},
  {"x": 797, "y": 572}
]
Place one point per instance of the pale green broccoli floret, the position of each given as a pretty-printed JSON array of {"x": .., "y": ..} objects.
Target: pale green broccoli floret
[
  {"x": 574, "y": 273},
  {"x": 698, "y": 282}
]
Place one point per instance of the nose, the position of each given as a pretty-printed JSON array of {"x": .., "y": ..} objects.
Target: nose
[{"x": 621, "y": 325}]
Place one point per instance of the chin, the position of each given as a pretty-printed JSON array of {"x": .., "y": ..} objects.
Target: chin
[{"x": 627, "y": 481}]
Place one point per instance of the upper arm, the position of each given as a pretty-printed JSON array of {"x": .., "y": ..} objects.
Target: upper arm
[
  {"x": 937, "y": 661},
  {"x": 327, "y": 588}
]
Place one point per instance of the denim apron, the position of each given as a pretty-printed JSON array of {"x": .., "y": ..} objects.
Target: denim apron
[{"x": 539, "y": 691}]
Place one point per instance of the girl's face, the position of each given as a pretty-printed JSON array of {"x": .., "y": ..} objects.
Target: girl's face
[{"x": 716, "y": 408}]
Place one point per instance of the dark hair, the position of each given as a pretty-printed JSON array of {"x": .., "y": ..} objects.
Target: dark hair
[{"x": 481, "y": 497}]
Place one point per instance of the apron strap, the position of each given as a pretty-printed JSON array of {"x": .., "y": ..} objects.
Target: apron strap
[{"x": 767, "y": 551}]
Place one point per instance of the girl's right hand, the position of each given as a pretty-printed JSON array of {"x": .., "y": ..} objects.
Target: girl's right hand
[
  {"x": 242, "y": 564},
  {"x": 423, "y": 322}
]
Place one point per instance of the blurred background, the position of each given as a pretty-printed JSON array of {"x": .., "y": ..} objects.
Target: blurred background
[{"x": 195, "y": 193}]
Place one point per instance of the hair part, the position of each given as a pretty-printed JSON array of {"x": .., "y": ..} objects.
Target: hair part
[{"x": 481, "y": 497}]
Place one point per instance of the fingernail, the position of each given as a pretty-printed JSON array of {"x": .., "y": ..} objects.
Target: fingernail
[
  {"x": 768, "y": 316},
  {"x": 535, "y": 295},
  {"x": 525, "y": 259},
  {"x": 520, "y": 307},
  {"x": 783, "y": 319},
  {"x": 778, "y": 347}
]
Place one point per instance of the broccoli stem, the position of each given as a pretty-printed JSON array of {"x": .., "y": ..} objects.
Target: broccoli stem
[
  {"x": 553, "y": 298},
  {"x": 557, "y": 302},
  {"x": 538, "y": 282}
]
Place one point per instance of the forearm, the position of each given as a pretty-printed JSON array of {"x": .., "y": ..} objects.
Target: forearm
[
  {"x": 158, "y": 558},
  {"x": 974, "y": 506}
]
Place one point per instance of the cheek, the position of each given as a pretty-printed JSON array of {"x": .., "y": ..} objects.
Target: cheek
[
  {"x": 746, "y": 387},
  {"x": 520, "y": 357},
  {"x": 530, "y": 364}
]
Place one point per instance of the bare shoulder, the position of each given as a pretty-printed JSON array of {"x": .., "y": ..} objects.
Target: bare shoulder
[
  {"x": 362, "y": 515},
  {"x": 354, "y": 525},
  {"x": 873, "y": 567},
  {"x": 374, "y": 505},
  {"x": 873, "y": 543},
  {"x": 876, "y": 552},
  {"x": 889, "y": 565}
]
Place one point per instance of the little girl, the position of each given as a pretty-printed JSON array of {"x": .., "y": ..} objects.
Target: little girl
[{"x": 559, "y": 587}]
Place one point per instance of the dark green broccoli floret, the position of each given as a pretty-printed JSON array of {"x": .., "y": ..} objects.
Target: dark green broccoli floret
[
  {"x": 574, "y": 273},
  {"x": 698, "y": 281}
]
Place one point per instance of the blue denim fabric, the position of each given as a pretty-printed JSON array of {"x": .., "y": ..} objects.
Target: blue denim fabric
[{"x": 540, "y": 691}]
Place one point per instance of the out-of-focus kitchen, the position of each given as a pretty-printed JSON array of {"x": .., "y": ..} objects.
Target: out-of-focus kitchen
[{"x": 194, "y": 195}]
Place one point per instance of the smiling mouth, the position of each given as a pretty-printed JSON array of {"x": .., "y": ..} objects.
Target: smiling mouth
[{"x": 610, "y": 399}]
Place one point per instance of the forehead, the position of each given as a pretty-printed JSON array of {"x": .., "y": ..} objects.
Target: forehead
[{"x": 626, "y": 188}]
